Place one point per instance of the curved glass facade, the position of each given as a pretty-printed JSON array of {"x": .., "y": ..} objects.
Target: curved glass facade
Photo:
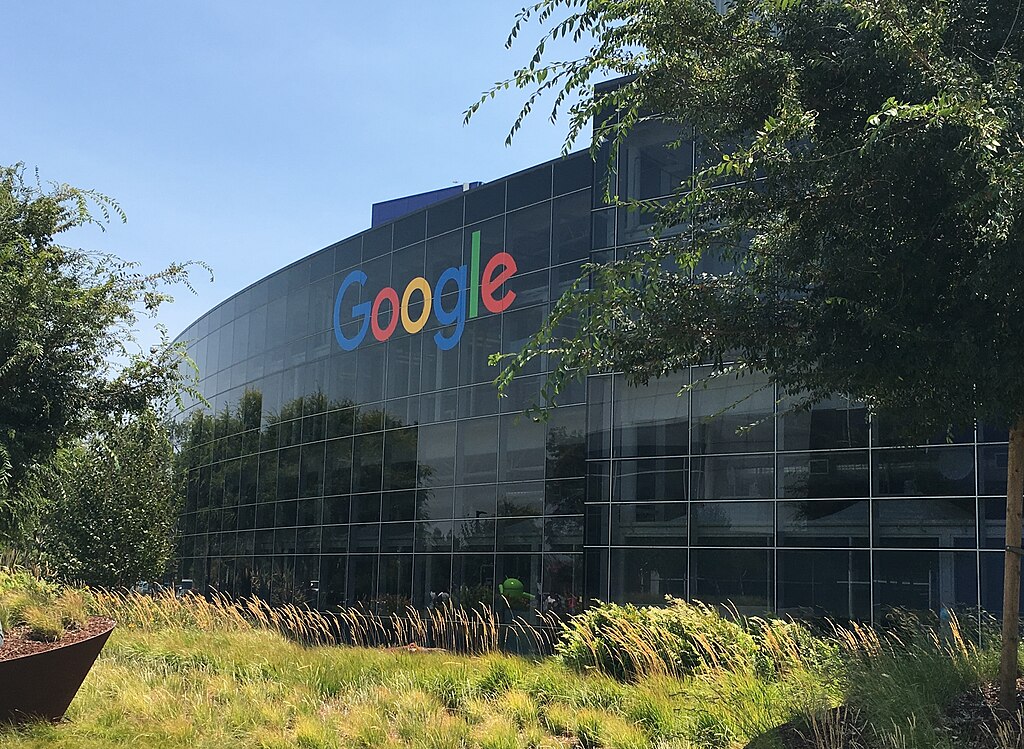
[{"x": 356, "y": 451}]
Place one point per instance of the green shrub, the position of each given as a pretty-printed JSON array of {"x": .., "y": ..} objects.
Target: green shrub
[
  {"x": 784, "y": 646},
  {"x": 630, "y": 641}
]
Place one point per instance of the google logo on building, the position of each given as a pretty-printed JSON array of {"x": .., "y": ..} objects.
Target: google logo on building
[{"x": 472, "y": 286}]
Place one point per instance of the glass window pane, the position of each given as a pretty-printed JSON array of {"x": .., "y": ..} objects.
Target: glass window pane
[
  {"x": 925, "y": 523},
  {"x": 288, "y": 473},
  {"x": 927, "y": 471},
  {"x": 396, "y": 538},
  {"x": 563, "y": 584},
  {"x": 442, "y": 253},
  {"x": 992, "y": 584},
  {"x": 528, "y": 237},
  {"x": 445, "y": 216},
  {"x": 475, "y": 501},
  {"x": 522, "y": 448},
  {"x": 651, "y": 420},
  {"x": 519, "y": 534},
  {"x": 573, "y": 173},
  {"x": 733, "y": 477},
  {"x": 732, "y": 414},
  {"x": 365, "y": 507},
  {"x": 992, "y": 532},
  {"x": 520, "y": 499},
  {"x": 566, "y": 429},
  {"x": 485, "y": 201},
  {"x": 477, "y": 451},
  {"x": 992, "y": 469},
  {"x": 338, "y": 467},
  {"x": 824, "y": 584},
  {"x": 529, "y": 187},
  {"x": 436, "y": 455},
  {"x": 660, "y": 479},
  {"x": 564, "y": 497},
  {"x": 825, "y": 475},
  {"x": 653, "y": 161},
  {"x": 400, "y": 450},
  {"x": 823, "y": 523},
  {"x": 435, "y": 503},
  {"x": 732, "y": 523},
  {"x": 376, "y": 242},
  {"x": 311, "y": 472},
  {"x": 432, "y": 576},
  {"x": 399, "y": 505},
  {"x": 473, "y": 579},
  {"x": 434, "y": 536},
  {"x": 367, "y": 462},
  {"x": 831, "y": 424},
  {"x": 362, "y": 579},
  {"x": 570, "y": 235},
  {"x": 563, "y": 533},
  {"x": 646, "y": 576},
  {"x": 410, "y": 229},
  {"x": 743, "y": 578},
  {"x": 649, "y": 524},
  {"x": 480, "y": 339},
  {"x": 474, "y": 535},
  {"x": 925, "y": 581}
]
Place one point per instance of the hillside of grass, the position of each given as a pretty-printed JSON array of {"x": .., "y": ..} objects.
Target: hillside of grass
[{"x": 198, "y": 674}]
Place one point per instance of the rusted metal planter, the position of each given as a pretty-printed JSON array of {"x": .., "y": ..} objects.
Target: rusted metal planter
[{"x": 40, "y": 686}]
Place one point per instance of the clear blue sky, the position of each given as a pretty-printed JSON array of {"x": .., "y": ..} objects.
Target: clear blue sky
[{"x": 250, "y": 134}]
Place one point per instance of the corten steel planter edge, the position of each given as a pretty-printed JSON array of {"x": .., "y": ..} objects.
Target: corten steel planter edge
[{"x": 41, "y": 686}]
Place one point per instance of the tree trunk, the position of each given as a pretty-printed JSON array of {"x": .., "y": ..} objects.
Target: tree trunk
[{"x": 1011, "y": 574}]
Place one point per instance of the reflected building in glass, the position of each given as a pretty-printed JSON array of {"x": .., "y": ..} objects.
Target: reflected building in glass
[{"x": 355, "y": 450}]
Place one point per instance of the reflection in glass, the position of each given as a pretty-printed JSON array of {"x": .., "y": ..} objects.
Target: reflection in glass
[
  {"x": 823, "y": 523},
  {"x": 925, "y": 523},
  {"x": 732, "y": 413},
  {"x": 925, "y": 581},
  {"x": 646, "y": 576},
  {"x": 651, "y": 420},
  {"x": 649, "y": 524},
  {"x": 925, "y": 471},
  {"x": 742, "y": 578},
  {"x": 819, "y": 584},
  {"x": 824, "y": 475},
  {"x": 733, "y": 477},
  {"x": 732, "y": 523}
]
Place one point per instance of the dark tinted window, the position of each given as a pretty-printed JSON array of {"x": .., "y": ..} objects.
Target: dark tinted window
[
  {"x": 531, "y": 187},
  {"x": 485, "y": 201},
  {"x": 410, "y": 229},
  {"x": 573, "y": 173},
  {"x": 445, "y": 216}
]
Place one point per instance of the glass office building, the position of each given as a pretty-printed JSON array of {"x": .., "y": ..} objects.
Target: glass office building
[{"x": 355, "y": 449}]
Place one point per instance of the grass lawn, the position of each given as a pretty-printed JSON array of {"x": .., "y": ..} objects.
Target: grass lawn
[{"x": 209, "y": 682}]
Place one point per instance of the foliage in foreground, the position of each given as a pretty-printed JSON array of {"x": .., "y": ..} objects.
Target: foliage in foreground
[
  {"x": 858, "y": 185},
  {"x": 197, "y": 673},
  {"x": 113, "y": 521},
  {"x": 44, "y": 610},
  {"x": 71, "y": 369}
]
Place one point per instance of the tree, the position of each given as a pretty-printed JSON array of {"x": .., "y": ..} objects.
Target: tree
[
  {"x": 68, "y": 357},
  {"x": 111, "y": 522},
  {"x": 864, "y": 177}
]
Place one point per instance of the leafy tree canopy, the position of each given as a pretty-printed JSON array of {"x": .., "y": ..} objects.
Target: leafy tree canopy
[
  {"x": 111, "y": 518},
  {"x": 862, "y": 175},
  {"x": 865, "y": 180},
  {"x": 68, "y": 358}
]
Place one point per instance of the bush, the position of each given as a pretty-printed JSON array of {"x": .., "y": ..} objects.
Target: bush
[
  {"x": 40, "y": 607},
  {"x": 630, "y": 641},
  {"x": 784, "y": 646}
]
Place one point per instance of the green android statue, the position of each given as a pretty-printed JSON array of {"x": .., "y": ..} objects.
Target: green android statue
[{"x": 513, "y": 591}]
